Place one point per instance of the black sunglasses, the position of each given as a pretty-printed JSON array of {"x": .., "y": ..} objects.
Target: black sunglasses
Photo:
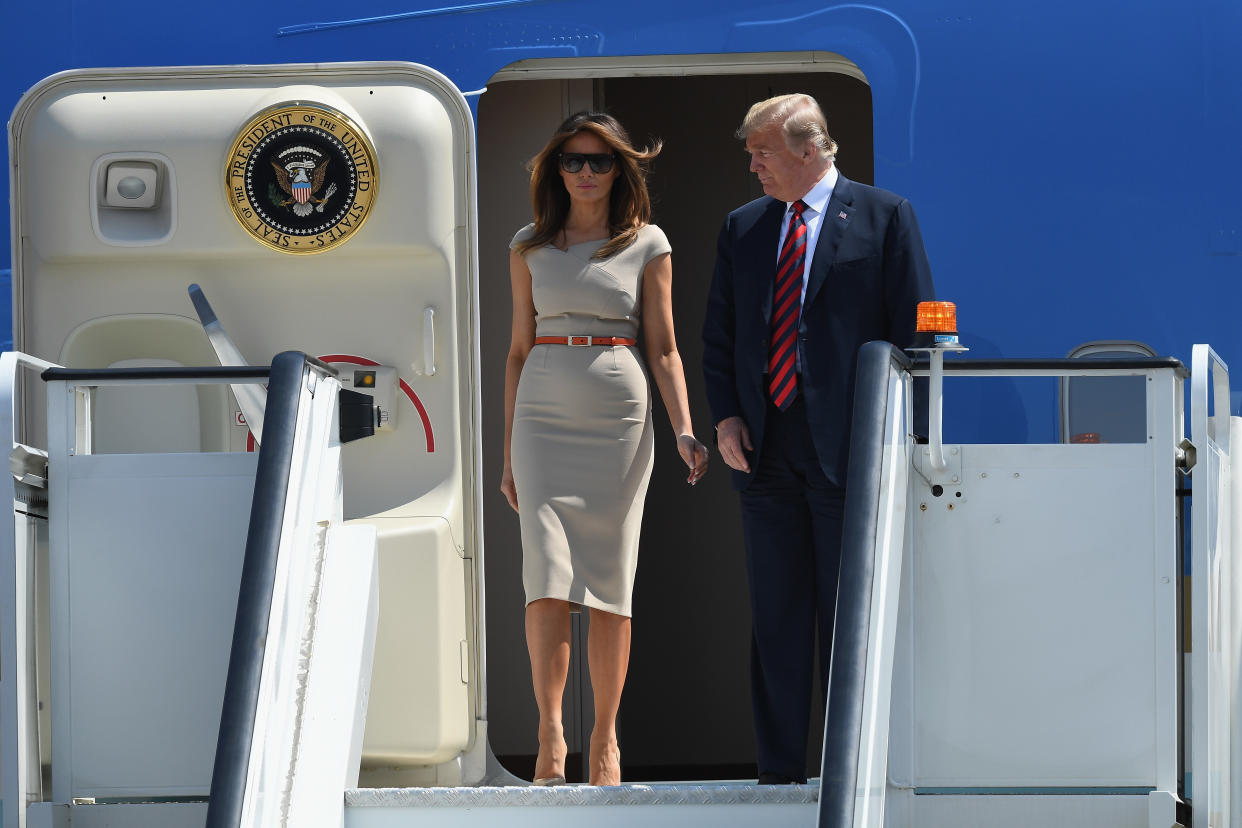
[{"x": 601, "y": 162}]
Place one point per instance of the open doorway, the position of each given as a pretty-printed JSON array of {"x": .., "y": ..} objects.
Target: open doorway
[{"x": 686, "y": 709}]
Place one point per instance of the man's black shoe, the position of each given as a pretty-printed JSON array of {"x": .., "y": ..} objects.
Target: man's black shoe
[{"x": 777, "y": 779}]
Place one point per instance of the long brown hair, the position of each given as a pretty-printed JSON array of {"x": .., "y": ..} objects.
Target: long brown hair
[{"x": 629, "y": 206}]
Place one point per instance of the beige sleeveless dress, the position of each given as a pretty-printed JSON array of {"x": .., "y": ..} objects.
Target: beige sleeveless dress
[{"x": 582, "y": 447}]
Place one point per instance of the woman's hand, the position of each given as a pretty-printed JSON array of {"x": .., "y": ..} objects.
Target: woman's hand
[
  {"x": 694, "y": 454},
  {"x": 508, "y": 489}
]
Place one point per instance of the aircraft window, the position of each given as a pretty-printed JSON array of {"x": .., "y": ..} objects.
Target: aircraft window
[{"x": 1105, "y": 409}]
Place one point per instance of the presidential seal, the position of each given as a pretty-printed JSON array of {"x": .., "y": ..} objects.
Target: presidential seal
[{"x": 301, "y": 177}]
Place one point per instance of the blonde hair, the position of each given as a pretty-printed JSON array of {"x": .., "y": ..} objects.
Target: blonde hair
[
  {"x": 629, "y": 207},
  {"x": 800, "y": 118}
]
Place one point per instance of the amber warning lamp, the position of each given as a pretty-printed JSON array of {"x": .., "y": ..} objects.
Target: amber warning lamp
[
  {"x": 936, "y": 325},
  {"x": 935, "y": 333}
]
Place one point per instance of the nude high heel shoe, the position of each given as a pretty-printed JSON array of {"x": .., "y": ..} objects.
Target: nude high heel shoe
[
  {"x": 555, "y": 778},
  {"x": 544, "y": 781}
]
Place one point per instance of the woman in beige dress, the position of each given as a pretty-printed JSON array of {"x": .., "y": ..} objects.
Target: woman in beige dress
[{"x": 578, "y": 429}]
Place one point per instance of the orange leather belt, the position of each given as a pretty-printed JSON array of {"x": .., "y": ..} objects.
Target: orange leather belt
[{"x": 585, "y": 340}]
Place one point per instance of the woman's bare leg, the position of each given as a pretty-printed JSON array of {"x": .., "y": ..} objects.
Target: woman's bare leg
[
  {"x": 608, "y": 655},
  {"x": 547, "y": 641}
]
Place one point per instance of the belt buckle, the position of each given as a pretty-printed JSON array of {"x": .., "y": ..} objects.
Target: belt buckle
[{"x": 578, "y": 341}]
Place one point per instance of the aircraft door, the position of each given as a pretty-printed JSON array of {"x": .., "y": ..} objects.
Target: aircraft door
[{"x": 328, "y": 208}]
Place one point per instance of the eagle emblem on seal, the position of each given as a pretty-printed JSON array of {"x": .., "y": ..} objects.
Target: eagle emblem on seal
[
  {"x": 301, "y": 177},
  {"x": 300, "y": 173}
]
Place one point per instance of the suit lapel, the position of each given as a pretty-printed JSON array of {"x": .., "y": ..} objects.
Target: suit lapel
[
  {"x": 835, "y": 224},
  {"x": 763, "y": 253}
]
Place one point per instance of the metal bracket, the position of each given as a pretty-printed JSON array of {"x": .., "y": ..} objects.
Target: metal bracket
[
  {"x": 1187, "y": 455},
  {"x": 29, "y": 465}
]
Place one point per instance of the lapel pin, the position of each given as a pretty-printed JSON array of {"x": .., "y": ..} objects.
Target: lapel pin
[{"x": 843, "y": 216}]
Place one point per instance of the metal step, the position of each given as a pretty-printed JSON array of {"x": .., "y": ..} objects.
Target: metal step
[{"x": 733, "y": 805}]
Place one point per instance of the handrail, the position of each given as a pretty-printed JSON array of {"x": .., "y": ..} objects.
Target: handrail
[
  {"x": 16, "y": 578},
  {"x": 1211, "y": 561},
  {"x": 844, "y": 716},
  {"x": 1014, "y": 367},
  {"x": 188, "y": 372},
  {"x": 258, "y": 581},
  {"x": 1205, "y": 364}
]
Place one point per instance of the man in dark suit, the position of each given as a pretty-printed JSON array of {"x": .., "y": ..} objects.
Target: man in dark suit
[{"x": 804, "y": 276}]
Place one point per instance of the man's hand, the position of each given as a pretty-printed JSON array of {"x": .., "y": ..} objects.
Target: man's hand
[{"x": 733, "y": 440}]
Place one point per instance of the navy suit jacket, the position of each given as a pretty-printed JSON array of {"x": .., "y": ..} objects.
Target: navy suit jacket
[{"x": 868, "y": 274}]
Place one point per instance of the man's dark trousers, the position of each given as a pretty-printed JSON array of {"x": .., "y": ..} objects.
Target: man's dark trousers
[{"x": 792, "y": 518}]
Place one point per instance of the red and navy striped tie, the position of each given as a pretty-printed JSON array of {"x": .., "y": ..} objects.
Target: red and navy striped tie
[{"x": 786, "y": 308}]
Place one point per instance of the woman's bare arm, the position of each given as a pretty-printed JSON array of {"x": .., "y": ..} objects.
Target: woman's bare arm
[
  {"x": 664, "y": 361},
  {"x": 521, "y": 340}
]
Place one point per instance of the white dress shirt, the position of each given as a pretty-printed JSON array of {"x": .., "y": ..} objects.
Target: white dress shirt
[{"x": 816, "y": 204}]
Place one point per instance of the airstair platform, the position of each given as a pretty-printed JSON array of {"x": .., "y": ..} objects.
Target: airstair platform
[{"x": 726, "y": 804}]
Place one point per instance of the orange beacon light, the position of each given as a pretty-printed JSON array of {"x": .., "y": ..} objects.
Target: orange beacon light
[
  {"x": 935, "y": 332},
  {"x": 936, "y": 325}
]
